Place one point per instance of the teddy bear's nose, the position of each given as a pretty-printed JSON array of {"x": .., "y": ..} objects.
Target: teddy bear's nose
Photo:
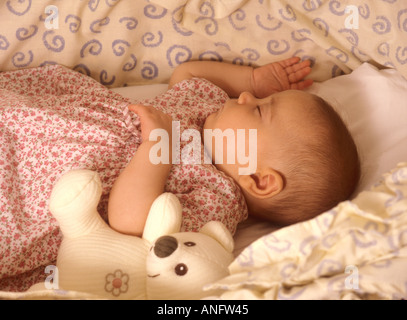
[{"x": 165, "y": 246}]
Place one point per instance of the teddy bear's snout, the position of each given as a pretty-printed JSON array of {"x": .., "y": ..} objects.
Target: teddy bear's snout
[{"x": 165, "y": 246}]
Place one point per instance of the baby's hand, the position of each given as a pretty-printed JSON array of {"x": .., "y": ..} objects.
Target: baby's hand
[
  {"x": 279, "y": 76},
  {"x": 150, "y": 119}
]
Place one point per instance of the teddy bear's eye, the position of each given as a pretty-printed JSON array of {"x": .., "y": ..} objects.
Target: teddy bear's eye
[
  {"x": 190, "y": 244},
  {"x": 181, "y": 269}
]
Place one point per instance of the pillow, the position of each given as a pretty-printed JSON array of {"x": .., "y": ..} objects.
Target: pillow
[{"x": 373, "y": 103}]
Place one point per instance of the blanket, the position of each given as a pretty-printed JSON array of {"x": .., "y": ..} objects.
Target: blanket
[
  {"x": 357, "y": 250},
  {"x": 143, "y": 41}
]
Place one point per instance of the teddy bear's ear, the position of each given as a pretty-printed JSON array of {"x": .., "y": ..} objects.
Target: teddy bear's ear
[
  {"x": 165, "y": 217},
  {"x": 220, "y": 233}
]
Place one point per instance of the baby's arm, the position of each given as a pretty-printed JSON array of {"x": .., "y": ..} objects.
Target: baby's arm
[
  {"x": 235, "y": 79},
  {"x": 141, "y": 182}
]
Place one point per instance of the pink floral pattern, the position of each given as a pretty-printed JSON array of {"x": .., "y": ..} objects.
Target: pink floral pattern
[{"x": 53, "y": 120}]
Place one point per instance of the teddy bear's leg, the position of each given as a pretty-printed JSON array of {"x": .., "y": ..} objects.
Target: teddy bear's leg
[{"x": 74, "y": 201}]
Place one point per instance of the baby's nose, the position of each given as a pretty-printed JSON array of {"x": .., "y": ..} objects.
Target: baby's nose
[{"x": 246, "y": 97}]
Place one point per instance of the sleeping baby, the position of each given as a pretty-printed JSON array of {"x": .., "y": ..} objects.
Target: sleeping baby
[
  {"x": 305, "y": 159},
  {"x": 302, "y": 160}
]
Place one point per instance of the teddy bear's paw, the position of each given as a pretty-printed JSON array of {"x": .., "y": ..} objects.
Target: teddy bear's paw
[
  {"x": 73, "y": 186},
  {"x": 75, "y": 197}
]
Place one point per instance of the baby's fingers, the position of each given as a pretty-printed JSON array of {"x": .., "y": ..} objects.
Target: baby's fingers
[
  {"x": 139, "y": 109},
  {"x": 299, "y": 74},
  {"x": 301, "y": 85}
]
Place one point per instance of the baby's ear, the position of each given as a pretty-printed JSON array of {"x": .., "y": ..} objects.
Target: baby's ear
[{"x": 263, "y": 184}]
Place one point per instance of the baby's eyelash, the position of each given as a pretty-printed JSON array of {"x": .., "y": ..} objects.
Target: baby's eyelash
[{"x": 258, "y": 108}]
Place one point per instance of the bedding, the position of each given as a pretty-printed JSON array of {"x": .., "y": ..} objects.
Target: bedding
[{"x": 143, "y": 41}]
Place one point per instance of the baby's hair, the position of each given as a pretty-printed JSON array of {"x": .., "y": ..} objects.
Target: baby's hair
[{"x": 321, "y": 171}]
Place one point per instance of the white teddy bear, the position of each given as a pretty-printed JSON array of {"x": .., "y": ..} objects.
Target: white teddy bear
[{"x": 163, "y": 264}]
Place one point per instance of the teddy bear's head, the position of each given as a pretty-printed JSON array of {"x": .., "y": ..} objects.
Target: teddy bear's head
[{"x": 181, "y": 263}]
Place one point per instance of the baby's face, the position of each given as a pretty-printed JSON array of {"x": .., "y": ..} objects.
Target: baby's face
[{"x": 275, "y": 118}]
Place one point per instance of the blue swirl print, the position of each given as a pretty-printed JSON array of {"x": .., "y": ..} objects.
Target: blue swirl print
[
  {"x": 401, "y": 55},
  {"x": 288, "y": 13},
  {"x": 48, "y": 63},
  {"x": 300, "y": 53},
  {"x": 384, "y": 49},
  {"x": 150, "y": 40},
  {"x": 307, "y": 245},
  {"x": 222, "y": 44},
  {"x": 334, "y": 5},
  {"x": 358, "y": 54},
  {"x": 214, "y": 56},
  {"x": 18, "y": 7},
  {"x": 383, "y": 26},
  {"x": 150, "y": 71},
  {"x": 277, "y": 47},
  {"x": 93, "y": 5},
  {"x": 178, "y": 54},
  {"x": 238, "y": 15},
  {"x": 251, "y": 54},
  {"x": 151, "y": 11},
  {"x": 352, "y": 37},
  {"x": 104, "y": 78},
  {"x": 288, "y": 270},
  {"x": 321, "y": 25},
  {"x": 399, "y": 177},
  {"x": 273, "y": 26},
  {"x": 131, "y": 22},
  {"x": 208, "y": 13},
  {"x": 246, "y": 259},
  {"x": 336, "y": 71},
  {"x": 97, "y": 24},
  {"x": 19, "y": 59},
  {"x": 338, "y": 54},
  {"x": 361, "y": 239},
  {"x": 4, "y": 43},
  {"x": 24, "y": 33},
  {"x": 75, "y": 25},
  {"x": 311, "y": 5},
  {"x": 57, "y": 43},
  {"x": 329, "y": 267},
  {"x": 402, "y": 24},
  {"x": 129, "y": 66},
  {"x": 299, "y": 35},
  {"x": 364, "y": 11},
  {"x": 238, "y": 61},
  {"x": 273, "y": 243},
  {"x": 95, "y": 47},
  {"x": 112, "y": 3},
  {"x": 118, "y": 47},
  {"x": 284, "y": 295},
  {"x": 82, "y": 68},
  {"x": 176, "y": 19}
]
